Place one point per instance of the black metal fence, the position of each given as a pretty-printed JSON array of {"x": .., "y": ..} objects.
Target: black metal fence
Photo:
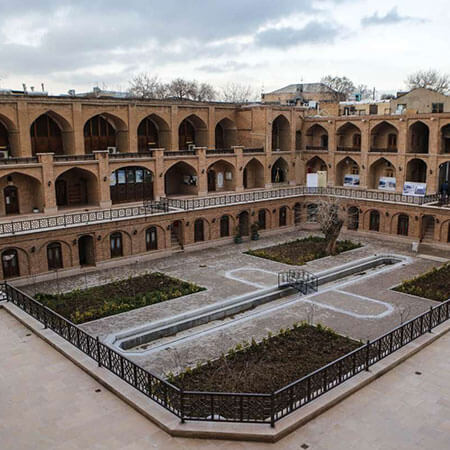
[
  {"x": 226, "y": 406},
  {"x": 299, "y": 279}
]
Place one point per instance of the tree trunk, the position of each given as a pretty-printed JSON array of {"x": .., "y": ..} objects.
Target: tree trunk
[{"x": 332, "y": 236}]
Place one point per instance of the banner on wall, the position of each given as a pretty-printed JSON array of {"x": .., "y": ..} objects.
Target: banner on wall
[
  {"x": 387, "y": 183},
  {"x": 413, "y": 188},
  {"x": 314, "y": 180},
  {"x": 351, "y": 180}
]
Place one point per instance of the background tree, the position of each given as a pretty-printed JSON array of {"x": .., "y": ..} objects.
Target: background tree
[
  {"x": 342, "y": 86},
  {"x": 205, "y": 93},
  {"x": 182, "y": 89},
  {"x": 330, "y": 219},
  {"x": 364, "y": 91},
  {"x": 429, "y": 79},
  {"x": 145, "y": 85},
  {"x": 237, "y": 93}
]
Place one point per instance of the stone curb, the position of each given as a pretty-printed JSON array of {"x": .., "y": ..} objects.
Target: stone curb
[{"x": 214, "y": 430}]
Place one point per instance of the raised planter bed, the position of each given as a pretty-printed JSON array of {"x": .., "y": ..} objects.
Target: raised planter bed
[
  {"x": 301, "y": 251},
  {"x": 84, "y": 305}
]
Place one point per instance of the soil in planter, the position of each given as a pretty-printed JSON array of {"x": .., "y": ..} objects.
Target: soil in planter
[
  {"x": 301, "y": 251},
  {"x": 269, "y": 365},
  {"x": 434, "y": 284},
  {"x": 80, "y": 306}
]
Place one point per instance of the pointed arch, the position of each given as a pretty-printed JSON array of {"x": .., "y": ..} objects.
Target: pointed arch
[
  {"x": 416, "y": 171},
  {"x": 253, "y": 174},
  {"x": 316, "y": 164},
  {"x": 382, "y": 167},
  {"x": 280, "y": 171},
  {"x": 349, "y": 137},
  {"x": 445, "y": 139},
  {"x": 153, "y": 132},
  {"x": 384, "y": 138},
  {"x": 281, "y": 134},
  {"x": 192, "y": 131},
  {"x": 131, "y": 184},
  {"x": 347, "y": 172},
  {"x": 76, "y": 187},
  {"x": 221, "y": 176},
  {"x": 51, "y": 133},
  {"x": 316, "y": 138},
  {"x": 103, "y": 131},
  {"x": 9, "y": 136},
  {"x": 181, "y": 179},
  {"x": 225, "y": 134},
  {"x": 418, "y": 137}
]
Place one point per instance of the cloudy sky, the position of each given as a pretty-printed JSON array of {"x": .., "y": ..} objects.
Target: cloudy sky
[{"x": 266, "y": 43}]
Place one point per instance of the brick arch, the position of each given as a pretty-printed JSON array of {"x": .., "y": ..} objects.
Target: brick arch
[
  {"x": 116, "y": 121},
  {"x": 394, "y": 222},
  {"x": 375, "y": 171},
  {"x": 19, "y": 172},
  {"x": 206, "y": 228},
  {"x": 193, "y": 124},
  {"x": 381, "y": 122},
  {"x": 24, "y": 260},
  {"x": 150, "y": 166},
  {"x": 163, "y": 135},
  {"x": 63, "y": 169},
  {"x": 174, "y": 163},
  {"x": 444, "y": 231},
  {"x": 347, "y": 125},
  {"x": 63, "y": 122},
  {"x": 161, "y": 235},
  {"x": 127, "y": 243},
  {"x": 9, "y": 122},
  {"x": 253, "y": 174},
  {"x": 269, "y": 216}
]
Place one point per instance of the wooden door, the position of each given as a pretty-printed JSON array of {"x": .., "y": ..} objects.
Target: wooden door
[
  {"x": 11, "y": 195},
  {"x": 61, "y": 192}
]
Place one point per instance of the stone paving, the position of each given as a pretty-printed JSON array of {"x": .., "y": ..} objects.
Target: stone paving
[
  {"x": 226, "y": 272},
  {"x": 47, "y": 403}
]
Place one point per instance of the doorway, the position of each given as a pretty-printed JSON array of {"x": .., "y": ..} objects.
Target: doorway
[
  {"x": 10, "y": 263},
  {"x": 211, "y": 180},
  {"x": 61, "y": 192},
  {"x": 11, "y": 196},
  {"x": 243, "y": 223},
  {"x": 86, "y": 250}
]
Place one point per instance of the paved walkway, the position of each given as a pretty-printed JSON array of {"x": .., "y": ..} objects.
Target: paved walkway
[{"x": 46, "y": 402}]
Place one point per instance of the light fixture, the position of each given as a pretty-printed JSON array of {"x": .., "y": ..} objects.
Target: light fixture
[
  {"x": 135, "y": 232},
  {"x": 49, "y": 183},
  {"x": 105, "y": 178},
  {"x": 33, "y": 249},
  {"x": 99, "y": 238}
]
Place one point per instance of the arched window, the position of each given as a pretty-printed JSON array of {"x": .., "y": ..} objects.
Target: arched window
[
  {"x": 374, "y": 221},
  {"x": 199, "y": 231},
  {"x": 10, "y": 264},
  {"x": 297, "y": 213},
  {"x": 283, "y": 216},
  {"x": 353, "y": 218},
  {"x": 115, "y": 242},
  {"x": 262, "y": 219},
  {"x": 403, "y": 225},
  {"x": 151, "y": 239},
  {"x": 311, "y": 213},
  {"x": 99, "y": 134},
  {"x": 54, "y": 256},
  {"x": 224, "y": 226}
]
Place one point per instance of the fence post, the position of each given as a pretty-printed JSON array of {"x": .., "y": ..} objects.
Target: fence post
[
  {"x": 272, "y": 410},
  {"x": 182, "y": 405},
  {"x": 97, "y": 341},
  {"x": 431, "y": 316},
  {"x": 367, "y": 354}
]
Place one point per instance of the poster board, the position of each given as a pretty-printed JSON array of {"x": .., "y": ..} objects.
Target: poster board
[
  {"x": 387, "y": 184},
  {"x": 413, "y": 188},
  {"x": 351, "y": 180}
]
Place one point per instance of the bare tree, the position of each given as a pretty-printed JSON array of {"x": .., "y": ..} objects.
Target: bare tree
[
  {"x": 205, "y": 93},
  {"x": 329, "y": 217},
  {"x": 342, "y": 87},
  {"x": 429, "y": 79},
  {"x": 145, "y": 85},
  {"x": 237, "y": 93},
  {"x": 364, "y": 91},
  {"x": 182, "y": 89}
]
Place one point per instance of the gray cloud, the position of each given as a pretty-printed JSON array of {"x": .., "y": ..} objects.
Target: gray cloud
[
  {"x": 228, "y": 66},
  {"x": 312, "y": 33},
  {"x": 391, "y": 17}
]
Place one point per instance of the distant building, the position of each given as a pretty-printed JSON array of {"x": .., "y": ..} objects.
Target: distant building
[
  {"x": 420, "y": 101},
  {"x": 365, "y": 107},
  {"x": 306, "y": 94}
]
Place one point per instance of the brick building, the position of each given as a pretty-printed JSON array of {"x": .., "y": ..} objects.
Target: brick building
[{"x": 76, "y": 172}]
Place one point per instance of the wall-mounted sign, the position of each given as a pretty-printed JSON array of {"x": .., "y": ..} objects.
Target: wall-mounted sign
[
  {"x": 351, "y": 180},
  {"x": 387, "y": 183},
  {"x": 413, "y": 188}
]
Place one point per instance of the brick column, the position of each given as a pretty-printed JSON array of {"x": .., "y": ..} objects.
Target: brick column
[
  {"x": 239, "y": 173},
  {"x": 23, "y": 125},
  {"x": 78, "y": 126},
  {"x": 158, "y": 181},
  {"x": 432, "y": 162},
  {"x": 365, "y": 148},
  {"x": 48, "y": 183},
  {"x": 132, "y": 129},
  {"x": 201, "y": 171},
  {"x": 211, "y": 127},
  {"x": 332, "y": 147},
  {"x": 104, "y": 192},
  {"x": 174, "y": 127}
]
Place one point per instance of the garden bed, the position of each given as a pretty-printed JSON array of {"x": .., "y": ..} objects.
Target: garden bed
[
  {"x": 301, "y": 251},
  {"x": 269, "y": 365},
  {"x": 84, "y": 305},
  {"x": 434, "y": 284}
]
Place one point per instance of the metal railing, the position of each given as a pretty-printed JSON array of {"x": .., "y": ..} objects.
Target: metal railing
[
  {"x": 87, "y": 157},
  {"x": 220, "y": 151},
  {"x": 229, "y": 406},
  {"x": 82, "y": 218},
  {"x": 299, "y": 279},
  {"x": 148, "y": 154},
  {"x": 88, "y": 217},
  {"x": 253, "y": 150},
  {"x": 179, "y": 153},
  {"x": 341, "y": 148},
  {"x": 316, "y": 147},
  {"x": 27, "y": 160},
  {"x": 384, "y": 150}
]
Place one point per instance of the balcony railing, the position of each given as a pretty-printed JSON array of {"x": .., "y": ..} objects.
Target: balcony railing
[
  {"x": 316, "y": 147},
  {"x": 39, "y": 224},
  {"x": 254, "y": 150},
  {"x": 220, "y": 151},
  {"x": 27, "y": 160},
  {"x": 348, "y": 149},
  {"x": 148, "y": 154},
  {"x": 384, "y": 150},
  {"x": 179, "y": 153},
  {"x": 60, "y": 158}
]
